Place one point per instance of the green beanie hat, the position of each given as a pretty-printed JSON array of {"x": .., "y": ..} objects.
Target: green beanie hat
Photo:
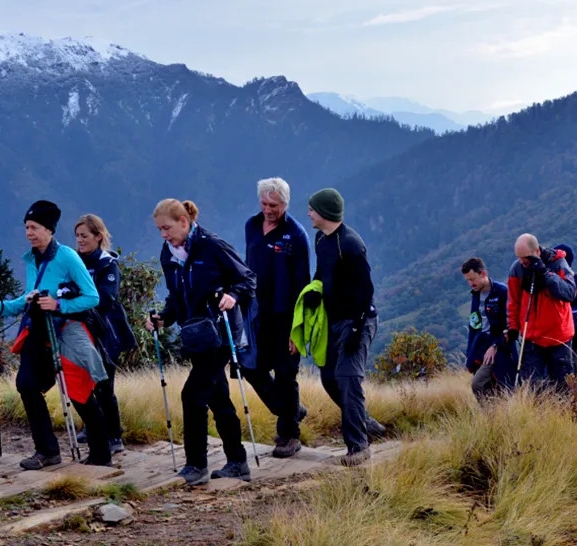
[{"x": 329, "y": 203}]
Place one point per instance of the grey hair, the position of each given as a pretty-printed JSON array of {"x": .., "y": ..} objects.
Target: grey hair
[{"x": 266, "y": 186}]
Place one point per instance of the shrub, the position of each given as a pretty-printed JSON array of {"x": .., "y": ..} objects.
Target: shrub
[
  {"x": 138, "y": 296},
  {"x": 410, "y": 355}
]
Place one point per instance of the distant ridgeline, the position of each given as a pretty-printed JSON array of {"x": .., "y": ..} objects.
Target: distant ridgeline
[{"x": 112, "y": 132}]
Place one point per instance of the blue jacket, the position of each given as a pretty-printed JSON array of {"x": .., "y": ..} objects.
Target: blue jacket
[
  {"x": 103, "y": 268},
  {"x": 496, "y": 312},
  {"x": 64, "y": 266},
  {"x": 280, "y": 260},
  {"x": 212, "y": 264}
]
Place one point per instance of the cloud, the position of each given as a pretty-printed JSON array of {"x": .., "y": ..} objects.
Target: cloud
[
  {"x": 543, "y": 43},
  {"x": 409, "y": 16}
]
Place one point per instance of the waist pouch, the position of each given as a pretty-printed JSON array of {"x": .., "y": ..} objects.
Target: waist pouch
[{"x": 200, "y": 334}]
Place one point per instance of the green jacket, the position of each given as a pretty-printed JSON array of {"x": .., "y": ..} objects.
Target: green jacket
[{"x": 310, "y": 328}]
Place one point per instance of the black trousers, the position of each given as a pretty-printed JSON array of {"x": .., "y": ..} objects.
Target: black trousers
[
  {"x": 35, "y": 377},
  {"x": 279, "y": 393},
  {"x": 207, "y": 387},
  {"x": 108, "y": 402}
]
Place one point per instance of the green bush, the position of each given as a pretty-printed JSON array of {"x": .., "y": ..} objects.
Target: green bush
[{"x": 411, "y": 354}]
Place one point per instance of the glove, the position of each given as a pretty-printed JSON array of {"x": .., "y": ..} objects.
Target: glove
[
  {"x": 512, "y": 335},
  {"x": 353, "y": 337},
  {"x": 536, "y": 265},
  {"x": 534, "y": 275},
  {"x": 68, "y": 290},
  {"x": 312, "y": 299}
]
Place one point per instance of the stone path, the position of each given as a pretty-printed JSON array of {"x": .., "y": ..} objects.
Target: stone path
[{"x": 152, "y": 469}]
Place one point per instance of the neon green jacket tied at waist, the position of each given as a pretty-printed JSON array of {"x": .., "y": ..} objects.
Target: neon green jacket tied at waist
[{"x": 310, "y": 328}]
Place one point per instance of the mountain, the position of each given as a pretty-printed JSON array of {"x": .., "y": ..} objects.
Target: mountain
[
  {"x": 343, "y": 105},
  {"x": 392, "y": 105},
  {"x": 404, "y": 111},
  {"x": 464, "y": 194},
  {"x": 108, "y": 131}
]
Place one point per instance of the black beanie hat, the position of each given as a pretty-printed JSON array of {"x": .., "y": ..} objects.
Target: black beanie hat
[
  {"x": 44, "y": 213},
  {"x": 568, "y": 252},
  {"x": 329, "y": 203}
]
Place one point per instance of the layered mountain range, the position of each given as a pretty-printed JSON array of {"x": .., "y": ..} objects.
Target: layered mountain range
[{"x": 108, "y": 131}]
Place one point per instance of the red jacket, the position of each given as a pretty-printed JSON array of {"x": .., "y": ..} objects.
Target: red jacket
[{"x": 550, "y": 321}]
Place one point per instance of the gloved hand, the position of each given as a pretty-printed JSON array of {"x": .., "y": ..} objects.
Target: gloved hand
[
  {"x": 537, "y": 265},
  {"x": 353, "y": 337},
  {"x": 511, "y": 335},
  {"x": 312, "y": 299}
]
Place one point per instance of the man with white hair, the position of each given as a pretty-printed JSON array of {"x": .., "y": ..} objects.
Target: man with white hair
[
  {"x": 277, "y": 250},
  {"x": 541, "y": 286}
]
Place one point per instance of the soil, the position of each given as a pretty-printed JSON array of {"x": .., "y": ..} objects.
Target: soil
[{"x": 179, "y": 516}]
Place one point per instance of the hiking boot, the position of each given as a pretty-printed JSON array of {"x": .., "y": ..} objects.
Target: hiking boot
[
  {"x": 233, "y": 470},
  {"x": 194, "y": 475},
  {"x": 286, "y": 447},
  {"x": 375, "y": 431},
  {"x": 302, "y": 413},
  {"x": 93, "y": 462},
  {"x": 356, "y": 458},
  {"x": 39, "y": 461},
  {"x": 82, "y": 437},
  {"x": 115, "y": 445}
]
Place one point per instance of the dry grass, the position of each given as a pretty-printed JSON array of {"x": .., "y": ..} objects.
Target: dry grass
[
  {"x": 501, "y": 474},
  {"x": 504, "y": 474},
  {"x": 403, "y": 408}
]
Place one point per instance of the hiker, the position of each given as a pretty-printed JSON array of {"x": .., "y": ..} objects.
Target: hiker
[
  {"x": 569, "y": 259},
  {"x": 347, "y": 294},
  {"x": 277, "y": 250},
  {"x": 198, "y": 265},
  {"x": 490, "y": 357},
  {"x": 541, "y": 287},
  {"x": 48, "y": 265},
  {"x": 93, "y": 247}
]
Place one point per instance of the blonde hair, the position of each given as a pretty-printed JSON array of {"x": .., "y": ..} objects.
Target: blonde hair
[
  {"x": 174, "y": 209},
  {"x": 96, "y": 226}
]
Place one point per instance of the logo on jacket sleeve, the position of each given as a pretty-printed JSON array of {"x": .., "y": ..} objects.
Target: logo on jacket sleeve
[{"x": 111, "y": 277}]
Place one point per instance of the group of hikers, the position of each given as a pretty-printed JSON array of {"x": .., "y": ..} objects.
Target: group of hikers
[
  {"x": 273, "y": 314},
  {"x": 74, "y": 328},
  {"x": 537, "y": 307}
]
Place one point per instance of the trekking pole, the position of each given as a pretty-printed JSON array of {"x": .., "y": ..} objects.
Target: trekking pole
[
  {"x": 239, "y": 377},
  {"x": 520, "y": 361},
  {"x": 154, "y": 321},
  {"x": 63, "y": 391}
]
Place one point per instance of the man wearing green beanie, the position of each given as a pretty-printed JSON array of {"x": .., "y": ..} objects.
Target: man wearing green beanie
[{"x": 344, "y": 270}]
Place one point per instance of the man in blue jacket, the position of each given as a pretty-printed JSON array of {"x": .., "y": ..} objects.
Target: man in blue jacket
[
  {"x": 489, "y": 356},
  {"x": 277, "y": 250}
]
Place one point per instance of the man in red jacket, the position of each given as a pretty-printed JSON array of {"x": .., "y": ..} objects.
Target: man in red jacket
[{"x": 541, "y": 286}]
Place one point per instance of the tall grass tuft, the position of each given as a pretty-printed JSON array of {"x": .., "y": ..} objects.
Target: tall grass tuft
[
  {"x": 504, "y": 473},
  {"x": 67, "y": 488}
]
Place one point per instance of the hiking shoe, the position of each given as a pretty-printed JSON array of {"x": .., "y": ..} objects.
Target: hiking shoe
[
  {"x": 356, "y": 458},
  {"x": 93, "y": 462},
  {"x": 39, "y": 461},
  {"x": 233, "y": 470},
  {"x": 115, "y": 445},
  {"x": 194, "y": 475},
  {"x": 375, "y": 431},
  {"x": 82, "y": 437},
  {"x": 302, "y": 413},
  {"x": 286, "y": 447}
]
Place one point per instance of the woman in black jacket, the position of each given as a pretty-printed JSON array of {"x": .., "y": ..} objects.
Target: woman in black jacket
[
  {"x": 93, "y": 246},
  {"x": 204, "y": 276}
]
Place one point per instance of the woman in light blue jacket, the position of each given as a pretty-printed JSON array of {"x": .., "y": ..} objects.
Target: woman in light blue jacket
[{"x": 48, "y": 266}]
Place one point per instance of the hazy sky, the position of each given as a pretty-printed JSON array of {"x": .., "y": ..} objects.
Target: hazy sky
[{"x": 459, "y": 55}]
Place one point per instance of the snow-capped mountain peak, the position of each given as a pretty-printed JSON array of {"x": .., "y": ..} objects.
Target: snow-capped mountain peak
[{"x": 57, "y": 55}]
